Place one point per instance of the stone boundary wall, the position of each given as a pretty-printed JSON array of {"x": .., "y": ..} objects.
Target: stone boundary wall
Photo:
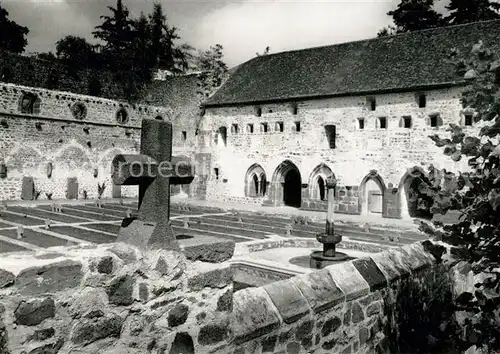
[
  {"x": 112, "y": 299},
  {"x": 74, "y": 146},
  {"x": 57, "y": 105},
  {"x": 339, "y": 309}
]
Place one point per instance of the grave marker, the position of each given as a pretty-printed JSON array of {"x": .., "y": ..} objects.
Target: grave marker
[
  {"x": 72, "y": 188},
  {"x": 28, "y": 189},
  {"x": 153, "y": 170}
]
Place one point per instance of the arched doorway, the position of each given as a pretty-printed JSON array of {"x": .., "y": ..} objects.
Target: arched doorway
[
  {"x": 285, "y": 186},
  {"x": 414, "y": 204},
  {"x": 371, "y": 194},
  {"x": 317, "y": 182},
  {"x": 255, "y": 182},
  {"x": 292, "y": 193}
]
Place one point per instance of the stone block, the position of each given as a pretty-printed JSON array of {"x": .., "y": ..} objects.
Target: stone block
[
  {"x": 288, "y": 300},
  {"x": 389, "y": 265},
  {"x": 319, "y": 289},
  {"x": 225, "y": 301},
  {"x": 215, "y": 278},
  {"x": 420, "y": 258},
  {"x": 213, "y": 333},
  {"x": 90, "y": 330},
  {"x": 49, "y": 278},
  {"x": 105, "y": 265},
  {"x": 6, "y": 278},
  {"x": 349, "y": 280},
  {"x": 253, "y": 314},
  {"x": 330, "y": 326},
  {"x": 120, "y": 290},
  {"x": 178, "y": 315},
  {"x": 87, "y": 300},
  {"x": 371, "y": 273},
  {"x": 34, "y": 311},
  {"x": 210, "y": 250}
]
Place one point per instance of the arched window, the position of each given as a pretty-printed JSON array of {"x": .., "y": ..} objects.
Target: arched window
[
  {"x": 122, "y": 116},
  {"x": 29, "y": 103},
  {"x": 223, "y": 136}
]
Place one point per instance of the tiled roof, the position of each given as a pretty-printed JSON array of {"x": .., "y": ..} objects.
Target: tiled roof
[{"x": 395, "y": 63}]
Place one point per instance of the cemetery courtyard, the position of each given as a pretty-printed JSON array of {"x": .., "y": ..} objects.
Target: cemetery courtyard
[{"x": 24, "y": 227}]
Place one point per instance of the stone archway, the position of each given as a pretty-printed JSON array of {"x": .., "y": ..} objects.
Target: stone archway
[
  {"x": 317, "y": 180},
  {"x": 286, "y": 185},
  {"x": 413, "y": 204},
  {"x": 255, "y": 182},
  {"x": 372, "y": 192}
]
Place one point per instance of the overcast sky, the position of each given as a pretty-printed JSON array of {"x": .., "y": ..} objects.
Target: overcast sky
[{"x": 242, "y": 27}]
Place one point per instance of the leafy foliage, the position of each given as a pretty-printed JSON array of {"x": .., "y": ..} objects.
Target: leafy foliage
[
  {"x": 211, "y": 63},
  {"x": 414, "y": 15},
  {"x": 420, "y": 318},
  {"x": 466, "y": 11},
  {"x": 475, "y": 194},
  {"x": 12, "y": 35}
]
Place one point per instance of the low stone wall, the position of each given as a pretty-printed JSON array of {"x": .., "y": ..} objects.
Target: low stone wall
[
  {"x": 339, "y": 309},
  {"x": 112, "y": 299},
  {"x": 115, "y": 299}
]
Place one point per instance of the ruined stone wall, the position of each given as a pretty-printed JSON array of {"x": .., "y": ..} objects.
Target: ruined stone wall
[
  {"x": 75, "y": 144},
  {"x": 112, "y": 299},
  {"x": 388, "y": 152}
]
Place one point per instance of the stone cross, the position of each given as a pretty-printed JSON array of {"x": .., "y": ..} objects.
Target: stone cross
[{"x": 153, "y": 170}]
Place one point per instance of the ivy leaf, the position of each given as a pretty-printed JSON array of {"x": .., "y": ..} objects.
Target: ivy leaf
[
  {"x": 438, "y": 141},
  {"x": 457, "y": 156},
  {"x": 450, "y": 149},
  {"x": 494, "y": 199},
  {"x": 496, "y": 151}
]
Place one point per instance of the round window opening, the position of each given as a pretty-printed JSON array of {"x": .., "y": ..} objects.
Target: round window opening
[
  {"x": 122, "y": 116},
  {"x": 79, "y": 110}
]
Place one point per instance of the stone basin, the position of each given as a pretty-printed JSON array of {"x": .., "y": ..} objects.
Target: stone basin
[{"x": 261, "y": 262}]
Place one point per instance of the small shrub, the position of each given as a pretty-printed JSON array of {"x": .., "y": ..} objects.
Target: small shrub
[
  {"x": 85, "y": 194},
  {"x": 421, "y": 316},
  {"x": 100, "y": 189},
  {"x": 37, "y": 194},
  {"x": 49, "y": 195}
]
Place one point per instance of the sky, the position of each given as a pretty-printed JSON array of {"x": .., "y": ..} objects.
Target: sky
[{"x": 242, "y": 27}]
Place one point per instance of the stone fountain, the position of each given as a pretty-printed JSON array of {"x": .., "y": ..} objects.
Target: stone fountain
[{"x": 329, "y": 239}]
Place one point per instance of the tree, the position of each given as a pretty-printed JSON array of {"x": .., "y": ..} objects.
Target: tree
[
  {"x": 474, "y": 194},
  {"x": 214, "y": 69},
  {"x": 74, "y": 52},
  {"x": 466, "y": 11},
  {"x": 415, "y": 15},
  {"x": 141, "y": 46},
  {"x": 116, "y": 33},
  {"x": 12, "y": 35},
  {"x": 386, "y": 31},
  {"x": 164, "y": 53}
]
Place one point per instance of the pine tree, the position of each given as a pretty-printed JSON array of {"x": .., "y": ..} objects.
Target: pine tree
[
  {"x": 415, "y": 15},
  {"x": 116, "y": 32},
  {"x": 141, "y": 46},
  {"x": 466, "y": 11},
  {"x": 12, "y": 35}
]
